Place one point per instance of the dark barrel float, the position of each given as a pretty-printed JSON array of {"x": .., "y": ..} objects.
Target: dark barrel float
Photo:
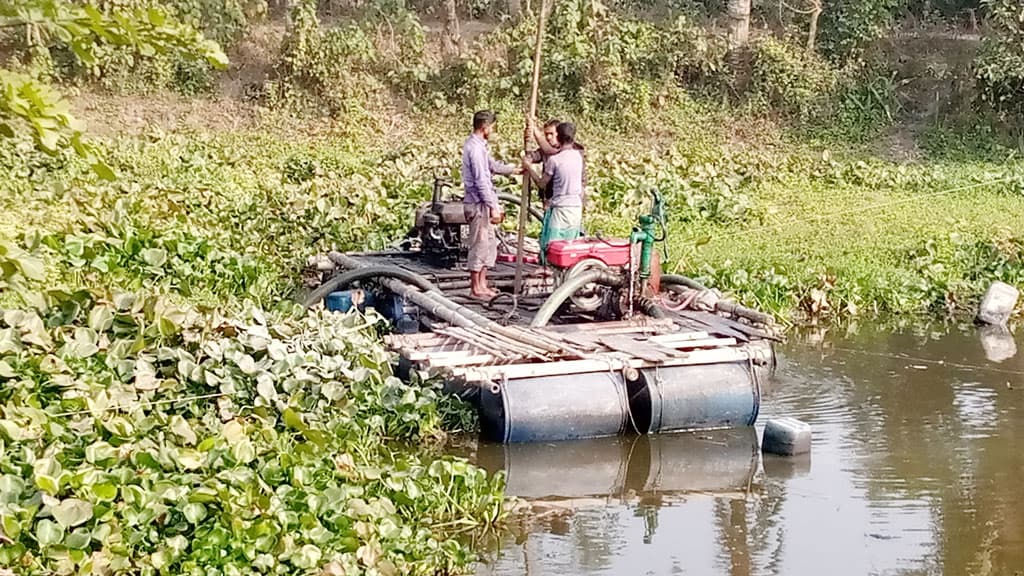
[{"x": 654, "y": 400}]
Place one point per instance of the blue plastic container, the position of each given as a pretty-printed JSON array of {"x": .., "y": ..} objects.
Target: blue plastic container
[{"x": 343, "y": 300}]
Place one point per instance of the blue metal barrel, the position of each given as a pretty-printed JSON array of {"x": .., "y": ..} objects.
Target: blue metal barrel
[
  {"x": 695, "y": 397},
  {"x": 555, "y": 408}
]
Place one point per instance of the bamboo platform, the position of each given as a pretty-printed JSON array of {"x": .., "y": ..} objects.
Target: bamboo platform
[
  {"x": 573, "y": 344},
  {"x": 480, "y": 355}
]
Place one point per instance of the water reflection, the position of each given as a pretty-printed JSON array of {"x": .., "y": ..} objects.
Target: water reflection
[
  {"x": 650, "y": 469},
  {"x": 916, "y": 470},
  {"x": 998, "y": 343}
]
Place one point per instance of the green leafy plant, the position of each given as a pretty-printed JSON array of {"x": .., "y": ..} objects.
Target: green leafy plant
[
  {"x": 999, "y": 67},
  {"x": 30, "y": 107},
  {"x": 140, "y": 437}
]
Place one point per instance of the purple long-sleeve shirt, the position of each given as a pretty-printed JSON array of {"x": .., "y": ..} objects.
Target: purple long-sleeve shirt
[{"x": 478, "y": 170}]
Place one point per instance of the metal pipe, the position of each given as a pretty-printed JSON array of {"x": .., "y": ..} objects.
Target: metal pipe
[
  {"x": 726, "y": 306},
  {"x": 744, "y": 312},
  {"x": 566, "y": 290}
]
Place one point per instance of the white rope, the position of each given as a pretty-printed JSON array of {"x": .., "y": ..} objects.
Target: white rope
[
  {"x": 927, "y": 361},
  {"x": 142, "y": 404}
]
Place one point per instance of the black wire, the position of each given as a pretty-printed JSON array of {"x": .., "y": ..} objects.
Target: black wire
[{"x": 598, "y": 236}]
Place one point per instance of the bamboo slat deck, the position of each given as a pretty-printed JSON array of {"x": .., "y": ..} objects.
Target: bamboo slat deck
[{"x": 479, "y": 355}]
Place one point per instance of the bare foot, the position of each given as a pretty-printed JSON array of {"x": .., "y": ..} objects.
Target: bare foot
[{"x": 485, "y": 296}]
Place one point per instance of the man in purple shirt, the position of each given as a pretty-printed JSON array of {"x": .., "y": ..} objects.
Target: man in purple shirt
[{"x": 481, "y": 205}]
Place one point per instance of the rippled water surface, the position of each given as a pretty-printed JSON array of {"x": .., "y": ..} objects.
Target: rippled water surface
[{"x": 917, "y": 467}]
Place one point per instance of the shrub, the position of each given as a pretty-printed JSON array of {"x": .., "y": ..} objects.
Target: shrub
[
  {"x": 785, "y": 78},
  {"x": 999, "y": 67}
]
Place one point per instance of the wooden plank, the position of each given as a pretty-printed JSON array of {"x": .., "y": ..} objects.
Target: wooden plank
[
  {"x": 581, "y": 339},
  {"x": 459, "y": 361},
  {"x": 704, "y": 343},
  {"x": 678, "y": 337},
  {"x": 634, "y": 347},
  {"x": 715, "y": 324},
  {"x": 605, "y": 364},
  {"x": 418, "y": 355}
]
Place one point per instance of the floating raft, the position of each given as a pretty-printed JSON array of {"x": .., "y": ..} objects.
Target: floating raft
[
  {"x": 599, "y": 379},
  {"x": 579, "y": 376}
]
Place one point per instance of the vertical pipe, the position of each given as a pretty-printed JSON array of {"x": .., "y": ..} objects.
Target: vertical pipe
[{"x": 524, "y": 202}]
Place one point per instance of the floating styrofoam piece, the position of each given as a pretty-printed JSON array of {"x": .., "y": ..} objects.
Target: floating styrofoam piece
[
  {"x": 786, "y": 437},
  {"x": 998, "y": 304}
]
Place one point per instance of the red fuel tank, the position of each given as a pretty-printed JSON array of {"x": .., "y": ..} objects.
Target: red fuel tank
[{"x": 566, "y": 253}]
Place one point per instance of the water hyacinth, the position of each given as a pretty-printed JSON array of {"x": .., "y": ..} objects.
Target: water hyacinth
[{"x": 138, "y": 437}]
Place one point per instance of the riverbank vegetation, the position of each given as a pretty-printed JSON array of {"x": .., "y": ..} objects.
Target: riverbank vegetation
[{"x": 165, "y": 409}]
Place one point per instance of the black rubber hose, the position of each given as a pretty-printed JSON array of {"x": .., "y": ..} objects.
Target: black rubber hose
[
  {"x": 566, "y": 291},
  {"x": 650, "y": 308},
  {"x": 683, "y": 281},
  {"x": 512, "y": 198},
  {"x": 367, "y": 272}
]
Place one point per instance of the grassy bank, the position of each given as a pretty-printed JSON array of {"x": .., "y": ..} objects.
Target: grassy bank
[{"x": 805, "y": 225}]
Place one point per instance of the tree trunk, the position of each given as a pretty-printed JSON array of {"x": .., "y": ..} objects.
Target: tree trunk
[
  {"x": 812, "y": 29},
  {"x": 739, "y": 23},
  {"x": 515, "y": 8},
  {"x": 739, "y": 37},
  {"x": 452, "y": 38}
]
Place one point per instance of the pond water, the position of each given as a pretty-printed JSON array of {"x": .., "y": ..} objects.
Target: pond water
[{"x": 915, "y": 469}]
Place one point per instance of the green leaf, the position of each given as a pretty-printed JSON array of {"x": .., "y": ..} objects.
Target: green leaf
[
  {"x": 46, "y": 471},
  {"x": 293, "y": 420},
  {"x": 155, "y": 257},
  {"x": 105, "y": 491},
  {"x": 9, "y": 526},
  {"x": 215, "y": 56},
  {"x": 72, "y": 512},
  {"x": 157, "y": 17},
  {"x": 101, "y": 318},
  {"x": 103, "y": 171},
  {"x": 307, "y": 557},
  {"x": 49, "y": 533},
  {"x": 78, "y": 540},
  {"x": 181, "y": 427},
  {"x": 100, "y": 452},
  {"x": 194, "y": 512}
]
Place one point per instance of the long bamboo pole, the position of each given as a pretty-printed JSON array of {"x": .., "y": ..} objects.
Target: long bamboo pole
[{"x": 524, "y": 203}]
